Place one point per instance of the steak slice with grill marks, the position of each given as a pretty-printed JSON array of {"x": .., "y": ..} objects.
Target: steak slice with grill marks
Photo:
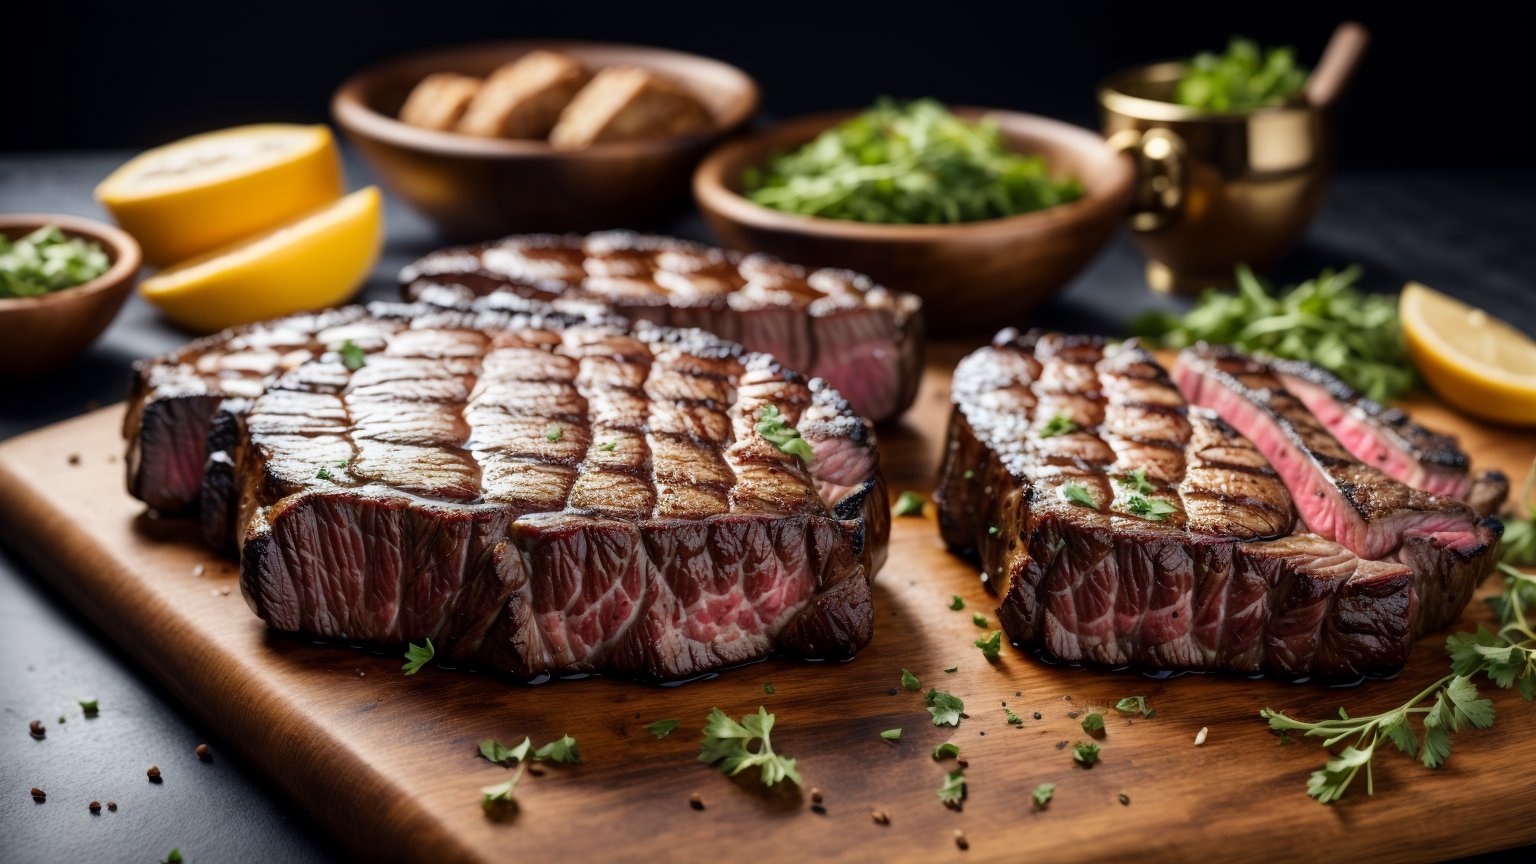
[
  {"x": 1449, "y": 548},
  {"x": 540, "y": 494},
  {"x": 1220, "y": 582},
  {"x": 834, "y": 324}
]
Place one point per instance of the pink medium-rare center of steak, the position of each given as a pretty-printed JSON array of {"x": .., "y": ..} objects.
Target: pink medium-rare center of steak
[{"x": 541, "y": 494}]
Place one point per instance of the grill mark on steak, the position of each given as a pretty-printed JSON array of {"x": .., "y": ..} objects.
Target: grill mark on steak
[
  {"x": 834, "y": 324},
  {"x": 1223, "y": 583}
]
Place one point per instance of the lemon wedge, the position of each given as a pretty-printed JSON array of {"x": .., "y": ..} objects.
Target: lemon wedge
[
  {"x": 203, "y": 192},
  {"x": 314, "y": 262},
  {"x": 1477, "y": 363}
]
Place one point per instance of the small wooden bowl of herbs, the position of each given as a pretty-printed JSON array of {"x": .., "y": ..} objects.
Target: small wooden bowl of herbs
[
  {"x": 62, "y": 281},
  {"x": 984, "y": 214}
]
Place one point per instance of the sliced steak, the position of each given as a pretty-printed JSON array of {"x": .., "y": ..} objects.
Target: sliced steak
[
  {"x": 863, "y": 339},
  {"x": 1090, "y": 573},
  {"x": 1388, "y": 439},
  {"x": 1339, "y": 497},
  {"x": 541, "y": 494}
]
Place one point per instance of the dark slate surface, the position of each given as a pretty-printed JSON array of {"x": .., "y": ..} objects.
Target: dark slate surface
[{"x": 1468, "y": 234}]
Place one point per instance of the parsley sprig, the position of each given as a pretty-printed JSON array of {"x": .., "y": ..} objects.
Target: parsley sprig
[
  {"x": 417, "y": 656},
  {"x": 726, "y": 744},
  {"x": 945, "y": 707},
  {"x": 775, "y": 428},
  {"x": 1059, "y": 424},
  {"x": 1242, "y": 78},
  {"x": 1506, "y": 656}
]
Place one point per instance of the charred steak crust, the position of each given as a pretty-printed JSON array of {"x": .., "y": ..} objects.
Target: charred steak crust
[
  {"x": 540, "y": 492},
  {"x": 1227, "y": 580},
  {"x": 865, "y": 340}
]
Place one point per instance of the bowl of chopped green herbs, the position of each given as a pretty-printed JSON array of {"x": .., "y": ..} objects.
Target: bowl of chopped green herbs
[
  {"x": 984, "y": 214},
  {"x": 62, "y": 281}
]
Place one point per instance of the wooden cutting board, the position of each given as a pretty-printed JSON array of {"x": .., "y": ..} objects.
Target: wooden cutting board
[{"x": 388, "y": 762}]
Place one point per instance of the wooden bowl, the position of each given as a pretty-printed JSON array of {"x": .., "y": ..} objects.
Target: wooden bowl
[
  {"x": 476, "y": 188},
  {"x": 39, "y": 334},
  {"x": 972, "y": 276}
]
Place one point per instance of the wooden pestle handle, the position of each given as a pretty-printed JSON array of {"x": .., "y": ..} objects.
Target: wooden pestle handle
[{"x": 1340, "y": 60}]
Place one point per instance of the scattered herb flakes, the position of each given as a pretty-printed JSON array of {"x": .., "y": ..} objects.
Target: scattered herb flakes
[
  {"x": 957, "y": 603},
  {"x": 1043, "y": 793},
  {"x": 1326, "y": 321},
  {"x": 173, "y": 856},
  {"x": 1133, "y": 705},
  {"x": 909, "y": 681},
  {"x": 991, "y": 644},
  {"x": 953, "y": 790},
  {"x": 947, "y": 750},
  {"x": 500, "y": 794},
  {"x": 1012, "y": 718},
  {"x": 992, "y": 531},
  {"x": 89, "y": 707},
  {"x": 662, "y": 728},
  {"x": 768, "y": 687},
  {"x": 775, "y": 428},
  {"x": 495, "y": 751},
  {"x": 944, "y": 707},
  {"x": 891, "y": 734},
  {"x": 1085, "y": 753},
  {"x": 609, "y": 446},
  {"x": 417, "y": 657},
  {"x": 910, "y": 503},
  {"x": 352, "y": 357},
  {"x": 1059, "y": 424},
  {"x": 1155, "y": 509},
  {"x": 1078, "y": 494},
  {"x": 324, "y": 474},
  {"x": 562, "y": 750},
  {"x": 1093, "y": 723},
  {"x": 969, "y": 474},
  {"x": 952, "y": 669},
  {"x": 1137, "y": 482},
  {"x": 554, "y": 433},
  {"x": 725, "y": 744},
  {"x": 979, "y": 619}
]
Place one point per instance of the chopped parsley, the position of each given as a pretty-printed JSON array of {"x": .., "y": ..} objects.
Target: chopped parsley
[
  {"x": 969, "y": 474},
  {"x": 909, "y": 681},
  {"x": 891, "y": 734},
  {"x": 947, "y": 750},
  {"x": 1043, "y": 793},
  {"x": 957, "y": 602},
  {"x": 952, "y": 669},
  {"x": 554, "y": 433},
  {"x": 495, "y": 751},
  {"x": 324, "y": 474},
  {"x": 725, "y": 745},
  {"x": 1134, "y": 705},
  {"x": 417, "y": 657},
  {"x": 1155, "y": 509},
  {"x": 945, "y": 708},
  {"x": 992, "y": 531},
  {"x": 352, "y": 357},
  {"x": 953, "y": 790},
  {"x": 1093, "y": 723},
  {"x": 1012, "y": 718},
  {"x": 991, "y": 644},
  {"x": 1085, "y": 753},
  {"x": 1060, "y": 424},
  {"x": 662, "y": 728},
  {"x": 173, "y": 856},
  {"x": 562, "y": 749},
  {"x": 1137, "y": 482},
  {"x": 910, "y": 503},
  {"x": 609, "y": 447},
  {"x": 1078, "y": 494},
  {"x": 978, "y": 619},
  {"x": 89, "y": 706},
  {"x": 773, "y": 426}
]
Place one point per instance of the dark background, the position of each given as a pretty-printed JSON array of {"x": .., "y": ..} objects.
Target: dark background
[{"x": 1451, "y": 89}]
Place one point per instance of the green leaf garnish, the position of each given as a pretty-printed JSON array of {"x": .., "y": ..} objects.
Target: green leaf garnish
[
  {"x": 495, "y": 751},
  {"x": 891, "y": 734},
  {"x": 1241, "y": 79},
  {"x": 957, "y": 602},
  {"x": 947, "y": 750},
  {"x": 1043, "y": 793},
  {"x": 978, "y": 619},
  {"x": 609, "y": 447},
  {"x": 725, "y": 744},
  {"x": 945, "y": 708},
  {"x": 1133, "y": 705},
  {"x": 1137, "y": 482},
  {"x": 1085, "y": 753},
  {"x": 775, "y": 428},
  {"x": 554, "y": 433},
  {"x": 662, "y": 728},
  {"x": 90, "y": 707},
  {"x": 952, "y": 669},
  {"x": 1059, "y": 424},
  {"x": 173, "y": 856},
  {"x": 324, "y": 474},
  {"x": 953, "y": 790},
  {"x": 1093, "y": 722},
  {"x": 417, "y": 657},
  {"x": 500, "y": 794},
  {"x": 991, "y": 644},
  {"x": 1012, "y": 718},
  {"x": 563, "y": 749},
  {"x": 352, "y": 357},
  {"x": 910, "y": 503},
  {"x": 909, "y": 681},
  {"x": 1155, "y": 509},
  {"x": 47, "y": 260},
  {"x": 1078, "y": 494}
]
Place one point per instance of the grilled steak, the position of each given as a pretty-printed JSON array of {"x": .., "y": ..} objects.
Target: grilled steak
[
  {"x": 864, "y": 340},
  {"x": 1388, "y": 439},
  {"x": 1121, "y": 526},
  {"x": 537, "y": 493}
]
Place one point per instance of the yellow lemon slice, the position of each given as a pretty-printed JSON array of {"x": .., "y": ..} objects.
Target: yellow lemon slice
[
  {"x": 315, "y": 262},
  {"x": 210, "y": 190},
  {"x": 1474, "y": 361}
]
